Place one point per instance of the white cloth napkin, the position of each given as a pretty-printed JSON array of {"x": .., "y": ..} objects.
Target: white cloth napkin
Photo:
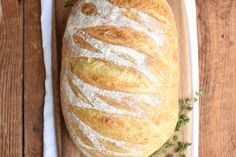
[
  {"x": 49, "y": 138},
  {"x": 190, "y": 8}
]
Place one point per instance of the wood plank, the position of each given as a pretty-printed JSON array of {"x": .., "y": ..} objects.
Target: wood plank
[
  {"x": 11, "y": 79},
  {"x": 217, "y": 43},
  {"x": 59, "y": 23},
  {"x": 66, "y": 146},
  {"x": 61, "y": 15},
  {"x": 56, "y": 85},
  {"x": 34, "y": 77},
  {"x": 63, "y": 140}
]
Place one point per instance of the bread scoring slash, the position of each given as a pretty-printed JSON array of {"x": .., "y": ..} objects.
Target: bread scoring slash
[{"x": 120, "y": 76}]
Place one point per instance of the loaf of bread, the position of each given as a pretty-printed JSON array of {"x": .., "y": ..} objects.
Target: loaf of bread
[{"x": 120, "y": 76}]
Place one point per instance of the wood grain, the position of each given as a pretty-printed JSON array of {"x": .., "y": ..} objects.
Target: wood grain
[
  {"x": 61, "y": 15},
  {"x": 66, "y": 147},
  {"x": 217, "y": 45},
  {"x": 34, "y": 77},
  {"x": 11, "y": 72}
]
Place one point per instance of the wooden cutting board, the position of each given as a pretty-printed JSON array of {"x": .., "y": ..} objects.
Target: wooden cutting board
[{"x": 66, "y": 148}]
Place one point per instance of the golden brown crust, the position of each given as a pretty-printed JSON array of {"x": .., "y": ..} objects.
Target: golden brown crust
[
  {"x": 89, "y": 9},
  {"x": 133, "y": 16},
  {"x": 124, "y": 36},
  {"x": 77, "y": 91},
  {"x": 83, "y": 44},
  {"x": 81, "y": 135},
  {"x": 119, "y": 77},
  {"x": 110, "y": 76},
  {"x": 112, "y": 146},
  {"x": 155, "y": 8},
  {"x": 118, "y": 127},
  {"x": 114, "y": 103}
]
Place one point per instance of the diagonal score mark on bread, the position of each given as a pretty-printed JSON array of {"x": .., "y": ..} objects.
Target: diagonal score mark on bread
[
  {"x": 114, "y": 65},
  {"x": 92, "y": 92},
  {"x": 83, "y": 44},
  {"x": 96, "y": 138},
  {"x": 154, "y": 8},
  {"x": 113, "y": 53},
  {"x": 77, "y": 116},
  {"x": 120, "y": 78}
]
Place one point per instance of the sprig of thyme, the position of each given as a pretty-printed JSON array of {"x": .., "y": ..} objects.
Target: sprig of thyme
[
  {"x": 164, "y": 148},
  {"x": 186, "y": 106},
  {"x": 183, "y": 120},
  {"x": 182, "y": 146}
]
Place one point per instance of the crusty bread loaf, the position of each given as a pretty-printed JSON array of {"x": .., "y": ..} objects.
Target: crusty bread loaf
[{"x": 120, "y": 75}]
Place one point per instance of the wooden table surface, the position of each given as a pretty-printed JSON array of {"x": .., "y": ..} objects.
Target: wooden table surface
[{"x": 22, "y": 76}]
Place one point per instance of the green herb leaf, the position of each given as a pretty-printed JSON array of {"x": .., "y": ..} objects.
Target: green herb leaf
[
  {"x": 170, "y": 155},
  {"x": 175, "y": 138},
  {"x": 182, "y": 146},
  {"x": 183, "y": 120},
  {"x": 185, "y": 105},
  {"x": 164, "y": 148},
  {"x": 195, "y": 99},
  {"x": 167, "y": 145},
  {"x": 200, "y": 93}
]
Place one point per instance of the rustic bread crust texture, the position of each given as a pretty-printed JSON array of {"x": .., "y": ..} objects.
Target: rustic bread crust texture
[{"x": 120, "y": 76}]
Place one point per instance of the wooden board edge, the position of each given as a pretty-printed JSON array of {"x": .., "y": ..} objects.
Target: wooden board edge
[{"x": 56, "y": 86}]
